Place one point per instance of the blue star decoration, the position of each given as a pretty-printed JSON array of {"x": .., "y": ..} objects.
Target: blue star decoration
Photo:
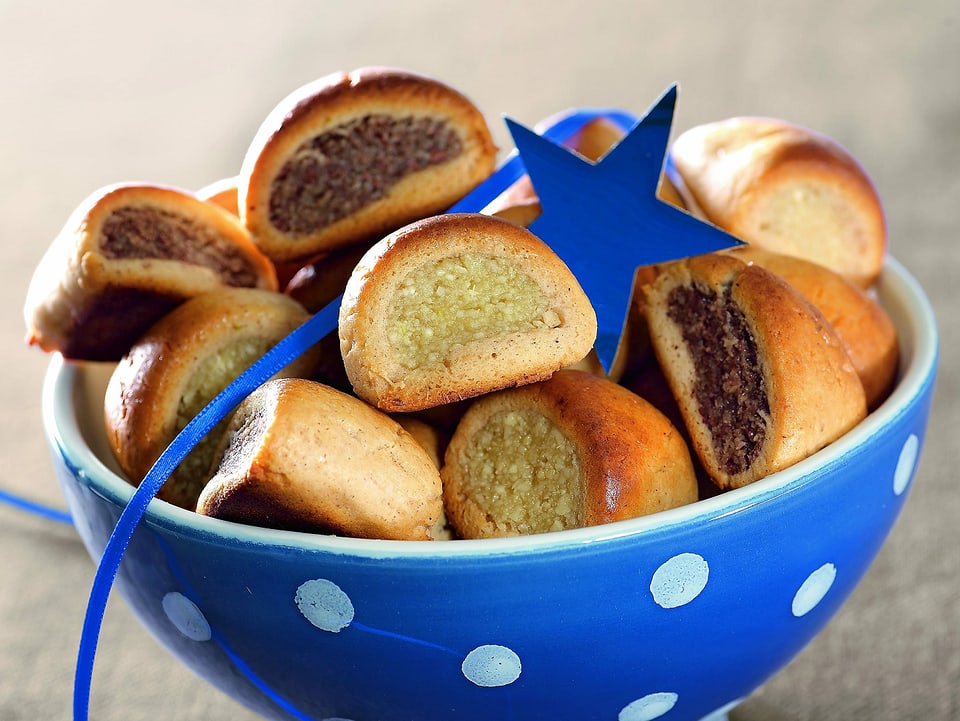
[{"x": 605, "y": 220}]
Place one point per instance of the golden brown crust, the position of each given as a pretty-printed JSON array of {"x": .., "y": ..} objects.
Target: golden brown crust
[
  {"x": 179, "y": 365},
  {"x": 333, "y": 101},
  {"x": 809, "y": 386},
  {"x": 470, "y": 366},
  {"x": 632, "y": 460},
  {"x": 787, "y": 189},
  {"x": 303, "y": 456},
  {"x": 222, "y": 193},
  {"x": 111, "y": 273},
  {"x": 861, "y": 323}
]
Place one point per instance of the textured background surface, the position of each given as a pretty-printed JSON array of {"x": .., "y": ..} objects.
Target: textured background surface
[{"x": 98, "y": 92}]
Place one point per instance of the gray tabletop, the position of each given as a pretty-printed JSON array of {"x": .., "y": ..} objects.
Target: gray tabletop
[{"x": 172, "y": 92}]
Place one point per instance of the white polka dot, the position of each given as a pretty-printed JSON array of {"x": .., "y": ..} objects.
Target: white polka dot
[
  {"x": 905, "y": 464},
  {"x": 324, "y": 604},
  {"x": 184, "y": 614},
  {"x": 812, "y": 591},
  {"x": 679, "y": 580},
  {"x": 491, "y": 666},
  {"x": 649, "y": 707}
]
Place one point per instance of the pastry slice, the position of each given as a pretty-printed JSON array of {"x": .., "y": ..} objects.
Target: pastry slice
[
  {"x": 458, "y": 305},
  {"x": 302, "y": 456},
  {"x": 760, "y": 376},
  {"x": 575, "y": 450},
  {"x": 178, "y": 366},
  {"x": 788, "y": 189},
  {"x": 354, "y": 156},
  {"x": 128, "y": 255}
]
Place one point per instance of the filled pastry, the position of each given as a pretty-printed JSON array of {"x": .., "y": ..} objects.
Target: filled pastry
[
  {"x": 300, "y": 455},
  {"x": 178, "y": 366},
  {"x": 459, "y": 305},
  {"x": 575, "y": 450},
  {"x": 787, "y": 189},
  {"x": 760, "y": 376},
  {"x": 354, "y": 156},
  {"x": 128, "y": 255}
]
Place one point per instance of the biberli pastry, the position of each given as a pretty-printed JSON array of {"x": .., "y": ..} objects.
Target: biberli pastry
[
  {"x": 351, "y": 157},
  {"x": 458, "y": 305},
  {"x": 785, "y": 188},
  {"x": 300, "y": 455},
  {"x": 863, "y": 326},
  {"x": 128, "y": 254},
  {"x": 575, "y": 450},
  {"x": 760, "y": 376},
  {"x": 178, "y": 366}
]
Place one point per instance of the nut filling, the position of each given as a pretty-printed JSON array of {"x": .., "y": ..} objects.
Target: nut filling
[
  {"x": 334, "y": 174},
  {"x": 145, "y": 232},
  {"x": 192, "y": 473},
  {"x": 729, "y": 387},
  {"x": 442, "y": 306},
  {"x": 523, "y": 471}
]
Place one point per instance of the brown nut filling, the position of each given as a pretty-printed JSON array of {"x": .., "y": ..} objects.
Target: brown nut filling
[
  {"x": 146, "y": 232},
  {"x": 729, "y": 387},
  {"x": 336, "y": 173}
]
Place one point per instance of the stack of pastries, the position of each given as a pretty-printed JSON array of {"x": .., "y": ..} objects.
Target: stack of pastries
[{"x": 460, "y": 396}]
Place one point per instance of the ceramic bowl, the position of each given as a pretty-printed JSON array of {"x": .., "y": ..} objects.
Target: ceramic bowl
[{"x": 678, "y": 615}]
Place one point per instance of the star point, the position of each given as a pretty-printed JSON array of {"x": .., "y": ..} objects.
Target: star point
[{"x": 605, "y": 220}]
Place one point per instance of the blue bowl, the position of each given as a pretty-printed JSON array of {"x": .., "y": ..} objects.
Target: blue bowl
[{"x": 677, "y": 616}]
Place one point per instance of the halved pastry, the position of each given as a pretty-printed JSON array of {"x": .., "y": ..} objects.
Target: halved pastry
[
  {"x": 351, "y": 157},
  {"x": 126, "y": 256},
  {"x": 575, "y": 450},
  {"x": 788, "y": 189},
  {"x": 300, "y": 455},
  {"x": 761, "y": 378},
  {"x": 178, "y": 366},
  {"x": 458, "y": 305}
]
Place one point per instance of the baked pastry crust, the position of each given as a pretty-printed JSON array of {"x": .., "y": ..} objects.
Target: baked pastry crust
[
  {"x": 127, "y": 255},
  {"x": 178, "y": 366},
  {"x": 761, "y": 379},
  {"x": 223, "y": 193},
  {"x": 300, "y": 455},
  {"x": 294, "y": 220},
  {"x": 498, "y": 306},
  {"x": 860, "y": 322},
  {"x": 619, "y": 458},
  {"x": 787, "y": 189}
]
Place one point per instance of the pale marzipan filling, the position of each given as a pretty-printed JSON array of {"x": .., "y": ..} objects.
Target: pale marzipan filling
[
  {"x": 524, "y": 473},
  {"x": 211, "y": 377},
  {"x": 802, "y": 211},
  {"x": 462, "y": 299}
]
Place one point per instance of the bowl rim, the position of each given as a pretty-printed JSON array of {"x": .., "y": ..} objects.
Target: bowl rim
[{"x": 918, "y": 338}]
